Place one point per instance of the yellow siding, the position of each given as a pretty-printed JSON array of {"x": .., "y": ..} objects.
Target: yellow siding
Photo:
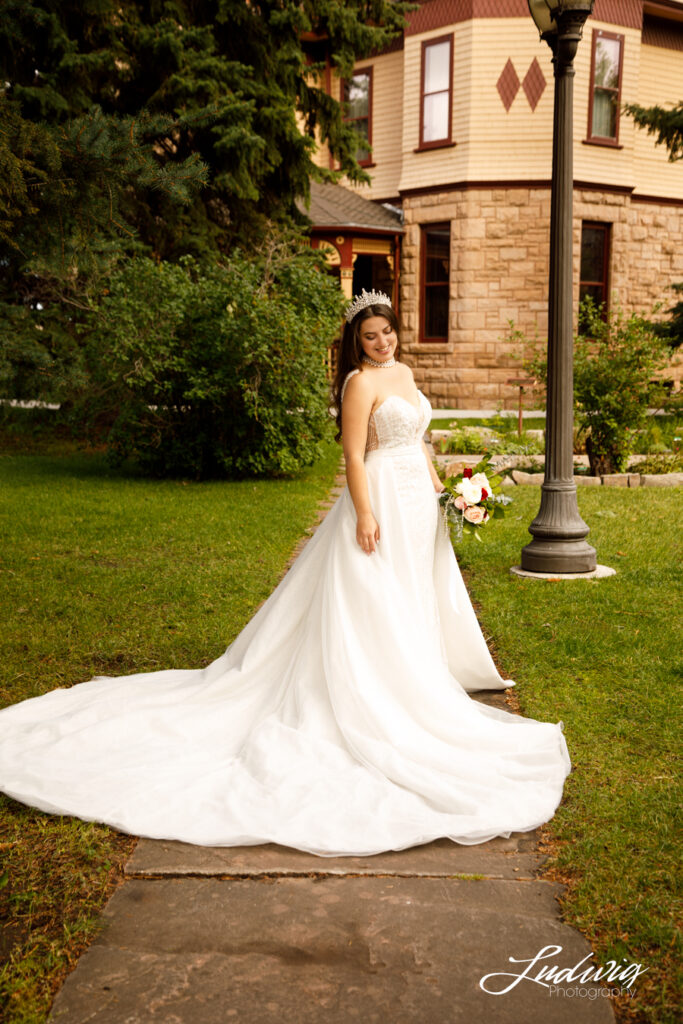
[
  {"x": 661, "y": 82},
  {"x": 513, "y": 144},
  {"x": 322, "y": 154},
  {"x": 493, "y": 144},
  {"x": 387, "y": 125},
  {"x": 387, "y": 121},
  {"x": 436, "y": 166},
  {"x": 605, "y": 165}
]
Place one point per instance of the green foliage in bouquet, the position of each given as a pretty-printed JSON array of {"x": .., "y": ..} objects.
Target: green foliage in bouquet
[{"x": 492, "y": 505}]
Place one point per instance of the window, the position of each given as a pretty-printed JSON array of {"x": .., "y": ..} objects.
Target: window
[
  {"x": 605, "y": 88},
  {"x": 357, "y": 96},
  {"x": 436, "y": 263},
  {"x": 436, "y": 101},
  {"x": 594, "y": 263}
]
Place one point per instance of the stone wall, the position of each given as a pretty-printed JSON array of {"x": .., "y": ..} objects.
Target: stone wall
[{"x": 499, "y": 272}]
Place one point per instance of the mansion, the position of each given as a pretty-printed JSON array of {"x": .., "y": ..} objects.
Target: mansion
[{"x": 458, "y": 116}]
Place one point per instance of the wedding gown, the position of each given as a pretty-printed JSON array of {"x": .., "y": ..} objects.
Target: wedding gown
[{"x": 338, "y": 722}]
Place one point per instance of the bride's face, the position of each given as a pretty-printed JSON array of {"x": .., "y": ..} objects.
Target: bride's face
[{"x": 378, "y": 338}]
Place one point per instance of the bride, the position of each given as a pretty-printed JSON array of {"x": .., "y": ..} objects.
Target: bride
[{"x": 338, "y": 722}]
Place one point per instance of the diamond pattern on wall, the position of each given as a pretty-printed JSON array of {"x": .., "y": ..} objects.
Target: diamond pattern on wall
[
  {"x": 508, "y": 84},
  {"x": 534, "y": 84}
]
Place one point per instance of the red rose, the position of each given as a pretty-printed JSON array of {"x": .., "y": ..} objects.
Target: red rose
[
  {"x": 484, "y": 493},
  {"x": 467, "y": 472}
]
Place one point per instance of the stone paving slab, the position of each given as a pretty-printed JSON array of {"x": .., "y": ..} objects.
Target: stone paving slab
[
  {"x": 512, "y": 858},
  {"x": 332, "y": 950}
]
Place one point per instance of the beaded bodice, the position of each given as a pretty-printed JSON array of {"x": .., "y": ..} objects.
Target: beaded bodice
[{"x": 397, "y": 421}]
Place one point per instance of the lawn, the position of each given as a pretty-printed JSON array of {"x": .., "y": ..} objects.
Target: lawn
[
  {"x": 604, "y": 657},
  {"x": 103, "y": 573},
  {"x": 106, "y": 573}
]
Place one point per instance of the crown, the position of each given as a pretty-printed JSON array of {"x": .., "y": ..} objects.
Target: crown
[{"x": 372, "y": 298}]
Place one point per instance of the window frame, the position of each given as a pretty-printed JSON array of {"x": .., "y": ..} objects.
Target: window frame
[
  {"x": 606, "y": 227},
  {"x": 605, "y": 140},
  {"x": 350, "y": 120},
  {"x": 424, "y": 284},
  {"x": 448, "y": 139}
]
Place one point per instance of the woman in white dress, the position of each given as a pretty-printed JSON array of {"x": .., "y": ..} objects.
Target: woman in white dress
[{"x": 338, "y": 722}]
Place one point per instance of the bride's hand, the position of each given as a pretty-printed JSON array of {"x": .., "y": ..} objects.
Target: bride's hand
[{"x": 367, "y": 532}]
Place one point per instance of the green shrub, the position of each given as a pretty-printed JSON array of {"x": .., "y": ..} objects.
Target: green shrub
[
  {"x": 671, "y": 462},
  {"x": 469, "y": 441},
  {"x": 660, "y": 435},
  {"x": 220, "y": 370},
  {"x": 616, "y": 363}
]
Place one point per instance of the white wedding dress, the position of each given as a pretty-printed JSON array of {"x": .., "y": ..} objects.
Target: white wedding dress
[{"x": 337, "y": 722}]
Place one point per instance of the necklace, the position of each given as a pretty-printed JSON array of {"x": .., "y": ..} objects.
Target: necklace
[{"x": 373, "y": 362}]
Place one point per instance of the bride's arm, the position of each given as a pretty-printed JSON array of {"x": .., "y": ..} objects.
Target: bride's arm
[
  {"x": 438, "y": 486},
  {"x": 356, "y": 406}
]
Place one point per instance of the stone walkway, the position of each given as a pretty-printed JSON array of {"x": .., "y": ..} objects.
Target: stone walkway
[{"x": 268, "y": 934}]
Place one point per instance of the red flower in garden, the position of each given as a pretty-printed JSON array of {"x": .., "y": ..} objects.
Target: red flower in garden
[
  {"x": 467, "y": 472},
  {"x": 484, "y": 493}
]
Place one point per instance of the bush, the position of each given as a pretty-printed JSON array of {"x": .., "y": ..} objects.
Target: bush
[
  {"x": 616, "y": 361},
  {"x": 220, "y": 370},
  {"x": 470, "y": 441},
  {"x": 672, "y": 462}
]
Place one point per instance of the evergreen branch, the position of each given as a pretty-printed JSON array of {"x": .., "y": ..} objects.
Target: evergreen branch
[{"x": 666, "y": 124}]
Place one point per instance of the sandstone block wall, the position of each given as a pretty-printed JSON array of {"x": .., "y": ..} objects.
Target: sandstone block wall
[{"x": 499, "y": 272}]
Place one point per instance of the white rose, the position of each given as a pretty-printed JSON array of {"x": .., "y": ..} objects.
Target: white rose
[
  {"x": 470, "y": 491},
  {"x": 482, "y": 480}
]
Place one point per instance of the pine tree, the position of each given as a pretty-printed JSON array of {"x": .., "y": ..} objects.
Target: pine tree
[
  {"x": 158, "y": 127},
  {"x": 119, "y": 110},
  {"x": 668, "y": 126}
]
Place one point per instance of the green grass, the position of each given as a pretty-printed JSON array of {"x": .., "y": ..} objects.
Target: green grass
[
  {"x": 107, "y": 573},
  {"x": 509, "y": 422},
  {"x": 661, "y": 434},
  {"x": 603, "y": 656},
  {"x": 103, "y": 573}
]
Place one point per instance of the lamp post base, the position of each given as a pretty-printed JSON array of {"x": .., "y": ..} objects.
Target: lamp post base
[
  {"x": 599, "y": 572},
  {"x": 557, "y": 554}
]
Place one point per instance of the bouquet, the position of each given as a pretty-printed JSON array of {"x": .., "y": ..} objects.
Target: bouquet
[{"x": 471, "y": 498}]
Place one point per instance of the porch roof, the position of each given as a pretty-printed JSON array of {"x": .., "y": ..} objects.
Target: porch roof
[{"x": 333, "y": 206}]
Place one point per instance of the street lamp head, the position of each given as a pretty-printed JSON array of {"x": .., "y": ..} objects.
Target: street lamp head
[{"x": 546, "y": 12}]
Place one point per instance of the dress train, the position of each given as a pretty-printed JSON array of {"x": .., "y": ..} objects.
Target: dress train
[{"x": 338, "y": 722}]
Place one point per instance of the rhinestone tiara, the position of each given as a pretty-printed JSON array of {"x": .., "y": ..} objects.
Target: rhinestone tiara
[{"x": 372, "y": 298}]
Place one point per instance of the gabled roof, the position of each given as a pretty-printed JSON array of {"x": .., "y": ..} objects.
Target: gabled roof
[{"x": 333, "y": 206}]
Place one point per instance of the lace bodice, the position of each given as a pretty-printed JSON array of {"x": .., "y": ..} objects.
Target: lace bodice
[{"x": 397, "y": 421}]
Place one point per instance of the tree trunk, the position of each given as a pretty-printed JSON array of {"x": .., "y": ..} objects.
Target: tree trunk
[{"x": 599, "y": 463}]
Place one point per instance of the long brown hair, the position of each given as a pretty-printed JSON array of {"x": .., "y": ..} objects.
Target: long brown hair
[{"x": 350, "y": 354}]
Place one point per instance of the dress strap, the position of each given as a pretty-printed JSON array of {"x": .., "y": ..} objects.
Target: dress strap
[{"x": 346, "y": 381}]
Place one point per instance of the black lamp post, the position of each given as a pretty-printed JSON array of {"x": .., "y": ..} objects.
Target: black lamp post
[{"x": 558, "y": 531}]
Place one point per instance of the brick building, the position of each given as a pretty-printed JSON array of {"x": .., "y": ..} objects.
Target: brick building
[{"x": 458, "y": 114}]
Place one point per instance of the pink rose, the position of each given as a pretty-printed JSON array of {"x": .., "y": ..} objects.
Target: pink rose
[
  {"x": 475, "y": 514},
  {"x": 460, "y": 503}
]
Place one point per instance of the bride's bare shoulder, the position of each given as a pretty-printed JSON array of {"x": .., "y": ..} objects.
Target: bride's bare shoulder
[
  {"x": 407, "y": 372},
  {"x": 356, "y": 383}
]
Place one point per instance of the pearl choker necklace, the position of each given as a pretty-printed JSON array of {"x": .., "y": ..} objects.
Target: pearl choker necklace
[{"x": 374, "y": 362}]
